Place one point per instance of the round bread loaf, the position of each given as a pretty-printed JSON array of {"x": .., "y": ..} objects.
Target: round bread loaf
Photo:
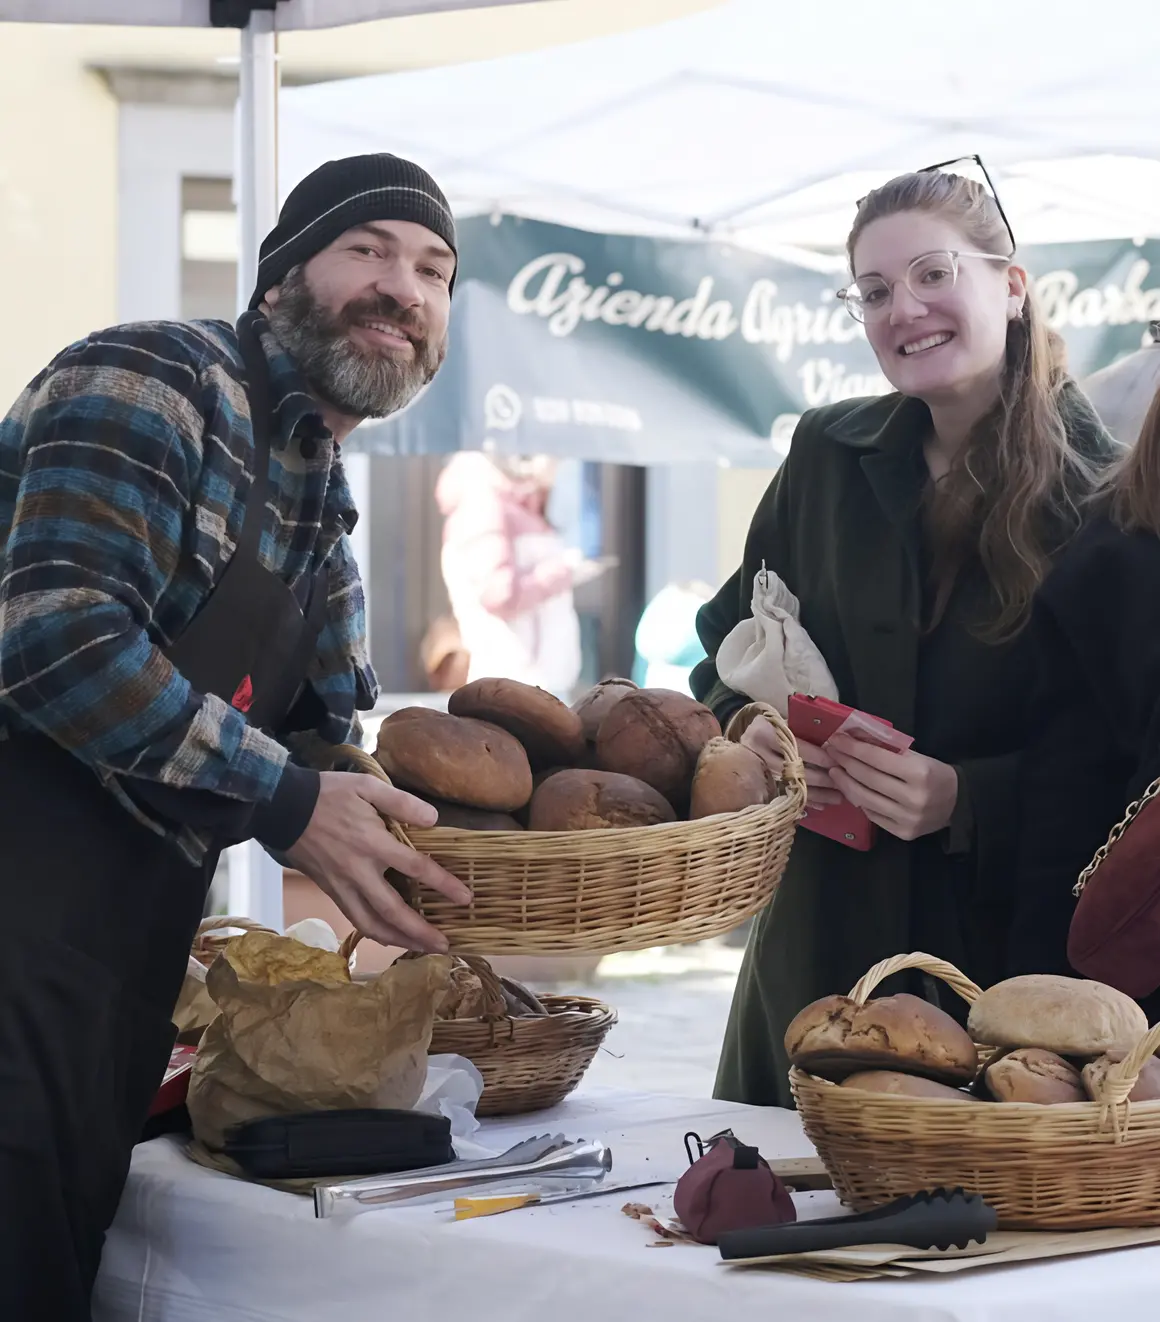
[
  {"x": 456, "y": 817},
  {"x": 1031, "y": 1074},
  {"x": 595, "y": 801},
  {"x": 834, "y": 1038},
  {"x": 904, "y": 1085},
  {"x": 729, "y": 777},
  {"x": 595, "y": 705},
  {"x": 656, "y": 735},
  {"x": 471, "y": 763},
  {"x": 551, "y": 733},
  {"x": 538, "y": 778},
  {"x": 1070, "y": 1016},
  {"x": 1147, "y": 1087}
]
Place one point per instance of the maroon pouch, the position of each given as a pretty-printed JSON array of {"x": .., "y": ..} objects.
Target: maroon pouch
[
  {"x": 729, "y": 1187},
  {"x": 1115, "y": 930}
]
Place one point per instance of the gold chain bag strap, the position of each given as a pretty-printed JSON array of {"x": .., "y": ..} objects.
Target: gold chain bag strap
[{"x": 1115, "y": 930}]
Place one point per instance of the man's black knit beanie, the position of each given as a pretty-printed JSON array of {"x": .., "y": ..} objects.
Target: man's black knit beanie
[{"x": 345, "y": 193}]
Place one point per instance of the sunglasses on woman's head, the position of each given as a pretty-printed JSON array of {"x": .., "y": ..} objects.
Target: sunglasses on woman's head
[
  {"x": 976, "y": 160},
  {"x": 929, "y": 277}
]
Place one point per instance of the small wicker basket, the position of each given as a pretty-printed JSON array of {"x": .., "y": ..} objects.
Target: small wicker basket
[
  {"x": 1074, "y": 1166},
  {"x": 528, "y": 1063},
  {"x": 602, "y": 892}
]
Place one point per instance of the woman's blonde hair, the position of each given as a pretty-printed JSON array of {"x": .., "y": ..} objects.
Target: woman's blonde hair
[{"x": 1014, "y": 491}]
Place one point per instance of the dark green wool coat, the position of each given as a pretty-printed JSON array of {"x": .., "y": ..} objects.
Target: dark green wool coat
[{"x": 841, "y": 524}]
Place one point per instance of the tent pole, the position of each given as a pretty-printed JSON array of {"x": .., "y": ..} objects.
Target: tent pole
[
  {"x": 257, "y": 145},
  {"x": 255, "y": 879}
]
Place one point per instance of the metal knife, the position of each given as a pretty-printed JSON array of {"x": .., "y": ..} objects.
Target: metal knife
[{"x": 466, "y": 1208}]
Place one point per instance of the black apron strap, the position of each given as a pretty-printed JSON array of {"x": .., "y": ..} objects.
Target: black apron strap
[
  {"x": 258, "y": 389},
  {"x": 285, "y": 690}
]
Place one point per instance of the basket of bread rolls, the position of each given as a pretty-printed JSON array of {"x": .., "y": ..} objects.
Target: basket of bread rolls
[
  {"x": 1047, "y": 1104},
  {"x": 531, "y": 1050},
  {"x": 623, "y": 822}
]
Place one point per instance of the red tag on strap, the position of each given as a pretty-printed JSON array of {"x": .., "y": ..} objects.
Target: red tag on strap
[{"x": 243, "y": 699}]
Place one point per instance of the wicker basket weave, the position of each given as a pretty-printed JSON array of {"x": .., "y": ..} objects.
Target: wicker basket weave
[
  {"x": 1073, "y": 1166},
  {"x": 602, "y": 892},
  {"x": 528, "y": 1063}
]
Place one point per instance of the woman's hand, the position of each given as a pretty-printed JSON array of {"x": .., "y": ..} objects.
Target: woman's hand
[
  {"x": 820, "y": 788},
  {"x": 907, "y": 794}
]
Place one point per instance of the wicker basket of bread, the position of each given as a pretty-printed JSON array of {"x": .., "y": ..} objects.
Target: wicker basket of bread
[
  {"x": 624, "y": 822},
  {"x": 1047, "y": 1104}
]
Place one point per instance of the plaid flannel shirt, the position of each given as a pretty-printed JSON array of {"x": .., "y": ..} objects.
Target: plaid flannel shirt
[{"x": 124, "y": 470}]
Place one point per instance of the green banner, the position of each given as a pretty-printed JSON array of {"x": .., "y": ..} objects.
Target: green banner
[{"x": 640, "y": 350}]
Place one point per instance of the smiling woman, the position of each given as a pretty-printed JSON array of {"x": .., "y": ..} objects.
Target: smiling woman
[{"x": 914, "y": 530}]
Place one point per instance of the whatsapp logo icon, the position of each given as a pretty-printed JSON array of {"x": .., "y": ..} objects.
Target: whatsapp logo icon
[{"x": 502, "y": 408}]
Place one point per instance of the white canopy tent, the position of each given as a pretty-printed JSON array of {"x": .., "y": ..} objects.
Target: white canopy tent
[{"x": 761, "y": 123}]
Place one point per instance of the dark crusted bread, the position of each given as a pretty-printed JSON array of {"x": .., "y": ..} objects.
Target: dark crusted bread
[
  {"x": 552, "y": 733},
  {"x": 656, "y": 735},
  {"x": 594, "y": 801},
  {"x": 835, "y": 1037},
  {"x": 436, "y": 755}
]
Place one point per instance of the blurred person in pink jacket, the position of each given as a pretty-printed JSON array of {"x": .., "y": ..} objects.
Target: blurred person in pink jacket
[{"x": 508, "y": 573}]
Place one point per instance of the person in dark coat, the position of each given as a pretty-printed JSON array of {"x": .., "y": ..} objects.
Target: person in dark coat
[
  {"x": 914, "y": 529},
  {"x": 1095, "y": 712}
]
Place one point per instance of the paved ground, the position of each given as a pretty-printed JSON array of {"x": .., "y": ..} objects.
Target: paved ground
[{"x": 673, "y": 1004}]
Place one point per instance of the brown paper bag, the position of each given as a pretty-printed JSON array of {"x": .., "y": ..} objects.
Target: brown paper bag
[
  {"x": 310, "y": 1041},
  {"x": 195, "y": 1006}
]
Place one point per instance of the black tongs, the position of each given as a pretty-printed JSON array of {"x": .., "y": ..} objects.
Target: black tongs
[{"x": 923, "y": 1221}]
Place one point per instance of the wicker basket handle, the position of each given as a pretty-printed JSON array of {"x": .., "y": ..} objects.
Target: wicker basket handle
[
  {"x": 347, "y": 945},
  {"x": 1121, "y": 1079},
  {"x": 937, "y": 968},
  {"x": 794, "y": 771},
  {"x": 328, "y": 756},
  {"x": 223, "y": 924},
  {"x": 494, "y": 1001},
  {"x": 495, "y": 1005}
]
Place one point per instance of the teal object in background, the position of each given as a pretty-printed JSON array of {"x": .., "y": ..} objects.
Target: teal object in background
[{"x": 667, "y": 646}]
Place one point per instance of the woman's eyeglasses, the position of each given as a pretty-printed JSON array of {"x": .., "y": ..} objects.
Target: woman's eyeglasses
[{"x": 929, "y": 278}]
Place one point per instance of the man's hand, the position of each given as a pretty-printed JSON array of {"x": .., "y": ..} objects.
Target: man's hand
[
  {"x": 904, "y": 793},
  {"x": 820, "y": 788},
  {"x": 346, "y": 848}
]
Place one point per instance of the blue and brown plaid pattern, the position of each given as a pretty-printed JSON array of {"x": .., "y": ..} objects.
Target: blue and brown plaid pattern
[{"x": 124, "y": 469}]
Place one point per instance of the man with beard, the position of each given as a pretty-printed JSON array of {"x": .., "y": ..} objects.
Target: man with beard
[{"x": 178, "y": 599}]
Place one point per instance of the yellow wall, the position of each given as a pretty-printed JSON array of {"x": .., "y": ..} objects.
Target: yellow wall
[
  {"x": 58, "y": 137},
  {"x": 738, "y": 492}
]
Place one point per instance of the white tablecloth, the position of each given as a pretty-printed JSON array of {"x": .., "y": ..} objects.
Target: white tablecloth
[{"x": 190, "y": 1245}]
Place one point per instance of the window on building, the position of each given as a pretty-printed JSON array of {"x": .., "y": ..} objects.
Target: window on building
[{"x": 209, "y": 249}]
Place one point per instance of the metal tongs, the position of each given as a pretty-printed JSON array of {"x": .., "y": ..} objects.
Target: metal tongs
[
  {"x": 939, "y": 1218},
  {"x": 551, "y": 1159}
]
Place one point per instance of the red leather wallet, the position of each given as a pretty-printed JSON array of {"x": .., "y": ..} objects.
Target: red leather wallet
[{"x": 816, "y": 720}]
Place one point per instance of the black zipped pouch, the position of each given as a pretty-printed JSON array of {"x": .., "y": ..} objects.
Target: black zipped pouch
[{"x": 321, "y": 1144}]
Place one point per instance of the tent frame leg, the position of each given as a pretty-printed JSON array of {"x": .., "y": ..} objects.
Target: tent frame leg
[{"x": 255, "y": 879}]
